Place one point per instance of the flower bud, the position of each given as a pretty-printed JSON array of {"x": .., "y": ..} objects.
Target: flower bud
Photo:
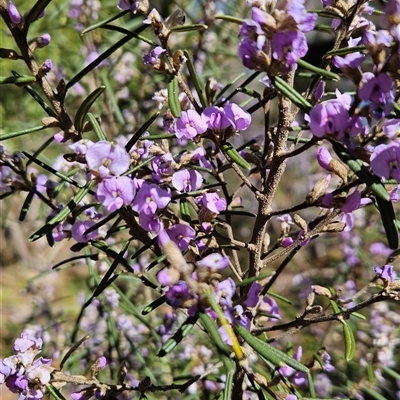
[
  {"x": 13, "y": 13},
  {"x": 321, "y": 291}
]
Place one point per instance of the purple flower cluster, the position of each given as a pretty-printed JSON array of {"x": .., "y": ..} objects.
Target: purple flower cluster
[
  {"x": 274, "y": 41},
  {"x": 23, "y": 372},
  {"x": 190, "y": 124},
  {"x": 332, "y": 117},
  {"x": 186, "y": 285}
]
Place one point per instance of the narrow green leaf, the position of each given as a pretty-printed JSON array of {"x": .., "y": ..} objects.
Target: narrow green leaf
[
  {"x": 102, "y": 57},
  {"x": 242, "y": 85},
  {"x": 389, "y": 222},
  {"x": 55, "y": 392},
  {"x": 26, "y": 205},
  {"x": 65, "y": 178},
  {"x": 373, "y": 394},
  {"x": 320, "y": 71},
  {"x": 107, "y": 280},
  {"x": 35, "y": 12},
  {"x": 129, "y": 33},
  {"x": 5, "y": 136},
  {"x": 17, "y": 80},
  {"x": 158, "y": 260},
  {"x": 152, "y": 306},
  {"x": 357, "y": 166},
  {"x": 334, "y": 306},
  {"x": 230, "y": 369},
  {"x": 195, "y": 78},
  {"x": 144, "y": 248},
  {"x": 178, "y": 336},
  {"x": 85, "y": 106},
  {"x": 345, "y": 50},
  {"x": 233, "y": 155},
  {"x": 383, "y": 202},
  {"x": 63, "y": 214},
  {"x": 359, "y": 316},
  {"x": 106, "y": 21},
  {"x": 96, "y": 127},
  {"x": 173, "y": 97},
  {"x": 291, "y": 94},
  {"x": 238, "y": 212},
  {"x": 393, "y": 374},
  {"x": 229, "y": 85},
  {"x": 349, "y": 341},
  {"x": 230, "y": 18},
  {"x": 211, "y": 328},
  {"x": 189, "y": 28},
  {"x": 112, "y": 97},
  {"x": 236, "y": 347},
  {"x": 141, "y": 131},
  {"x": 260, "y": 277},
  {"x": 158, "y": 137},
  {"x": 279, "y": 297},
  {"x": 185, "y": 211},
  {"x": 37, "y": 98},
  {"x": 72, "y": 349},
  {"x": 270, "y": 353},
  {"x": 249, "y": 92}
]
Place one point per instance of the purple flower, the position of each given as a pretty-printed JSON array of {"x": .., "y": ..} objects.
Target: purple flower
[
  {"x": 270, "y": 307},
  {"x": 47, "y": 66},
  {"x": 305, "y": 21},
  {"x": 324, "y": 158},
  {"x": 215, "y": 118},
  {"x": 5, "y": 371},
  {"x": 377, "y": 40},
  {"x": 298, "y": 378},
  {"x": 154, "y": 57},
  {"x": 385, "y": 160},
  {"x": 26, "y": 342},
  {"x": 326, "y": 358},
  {"x": 79, "y": 228},
  {"x": 213, "y": 202},
  {"x": 352, "y": 61},
  {"x": 131, "y": 5},
  {"x": 289, "y": 47},
  {"x": 250, "y": 54},
  {"x": 330, "y": 117},
  {"x": 181, "y": 235},
  {"x": 168, "y": 276},
  {"x": 252, "y": 296},
  {"x": 200, "y": 155},
  {"x": 162, "y": 166},
  {"x": 150, "y": 198},
  {"x": 391, "y": 128},
  {"x": 150, "y": 222},
  {"x": 378, "y": 91},
  {"x": 101, "y": 362},
  {"x": 238, "y": 118},
  {"x": 390, "y": 19},
  {"x": 186, "y": 180},
  {"x": 215, "y": 262},
  {"x": 189, "y": 125},
  {"x": 353, "y": 201},
  {"x": 386, "y": 272},
  {"x": 178, "y": 294},
  {"x": 116, "y": 192},
  {"x": 39, "y": 371},
  {"x": 13, "y": 13},
  {"x": 224, "y": 292},
  {"x": 43, "y": 40},
  {"x": 107, "y": 158}
]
